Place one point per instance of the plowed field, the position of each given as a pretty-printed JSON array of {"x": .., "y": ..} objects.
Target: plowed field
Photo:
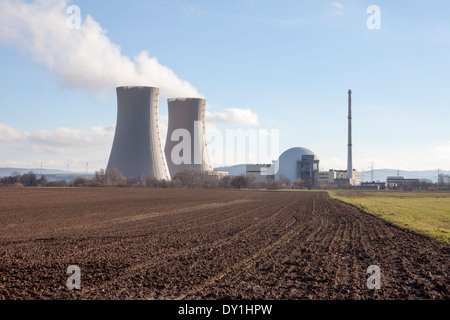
[{"x": 208, "y": 244}]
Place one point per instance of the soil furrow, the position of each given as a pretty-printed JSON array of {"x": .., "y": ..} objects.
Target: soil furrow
[{"x": 208, "y": 244}]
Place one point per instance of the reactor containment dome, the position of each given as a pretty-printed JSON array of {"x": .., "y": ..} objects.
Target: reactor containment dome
[
  {"x": 136, "y": 148},
  {"x": 297, "y": 163}
]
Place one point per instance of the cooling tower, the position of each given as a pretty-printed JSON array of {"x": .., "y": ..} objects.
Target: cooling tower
[
  {"x": 186, "y": 147},
  {"x": 137, "y": 149}
]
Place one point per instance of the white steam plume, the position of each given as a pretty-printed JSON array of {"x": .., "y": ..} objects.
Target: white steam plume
[{"x": 83, "y": 58}]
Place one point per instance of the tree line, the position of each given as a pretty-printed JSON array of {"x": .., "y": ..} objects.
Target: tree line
[
  {"x": 190, "y": 179},
  {"x": 186, "y": 179},
  {"x": 183, "y": 179},
  {"x": 443, "y": 181}
]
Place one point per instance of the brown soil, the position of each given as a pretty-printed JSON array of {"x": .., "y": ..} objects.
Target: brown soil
[{"x": 207, "y": 244}]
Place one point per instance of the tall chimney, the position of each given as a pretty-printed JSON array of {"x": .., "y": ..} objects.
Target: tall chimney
[{"x": 349, "y": 155}]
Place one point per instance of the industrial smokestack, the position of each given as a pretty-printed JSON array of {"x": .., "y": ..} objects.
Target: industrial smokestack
[
  {"x": 349, "y": 155},
  {"x": 186, "y": 147},
  {"x": 137, "y": 146}
]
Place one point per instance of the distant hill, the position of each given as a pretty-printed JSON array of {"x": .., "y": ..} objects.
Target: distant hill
[
  {"x": 50, "y": 174},
  {"x": 4, "y": 172},
  {"x": 382, "y": 174}
]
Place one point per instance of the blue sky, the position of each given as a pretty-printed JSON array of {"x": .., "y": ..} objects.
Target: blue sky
[{"x": 283, "y": 65}]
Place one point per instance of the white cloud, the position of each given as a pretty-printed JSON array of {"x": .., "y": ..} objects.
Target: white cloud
[
  {"x": 56, "y": 148},
  {"x": 82, "y": 58},
  {"x": 11, "y": 134},
  {"x": 414, "y": 156},
  {"x": 337, "y": 9},
  {"x": 442, "y": 153},
  {"x": 59, "y": 141},
  {"x": 233, "y": 116}
]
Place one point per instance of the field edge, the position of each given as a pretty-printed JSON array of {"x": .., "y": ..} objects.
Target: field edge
[{"x": 424, "y": 232}]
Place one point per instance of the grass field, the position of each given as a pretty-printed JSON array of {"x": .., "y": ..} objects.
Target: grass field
[{"x": 427, "y": 213}]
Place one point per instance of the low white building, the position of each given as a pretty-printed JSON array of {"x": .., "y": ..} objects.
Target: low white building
[
  {"x": 339, "y": 177},
  {"x": 258, "y": 172}
]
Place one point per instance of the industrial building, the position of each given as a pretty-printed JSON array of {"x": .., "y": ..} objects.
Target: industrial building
[
  {"x": 339, "y": 177},
  {"x": 186, "y": 147},
  {"x": 372, "y": 186},
  {"x": 295, "y": 163},
  {"x": 399, "y": 182},
  {"x": 298, "y": 163},
  {"x": 257, "y": 172},
  {"x": 136, "y": 148}
]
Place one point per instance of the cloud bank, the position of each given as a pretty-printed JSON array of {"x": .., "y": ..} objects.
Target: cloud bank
[{"x": 62, "y": 141}]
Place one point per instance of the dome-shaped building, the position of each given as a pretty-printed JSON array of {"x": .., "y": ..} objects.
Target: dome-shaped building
[{"x": 297, "y": 163}]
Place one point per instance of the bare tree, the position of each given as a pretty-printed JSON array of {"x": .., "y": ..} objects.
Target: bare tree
[
  {"x": 163, "y": 183},
  {"x": 42, "y": 182},
  {"x": 100, "y": 177},
  {"x": 131, "y": 182},
  {"x": 29, "y": 179},
  {"x": 443, "y": 181},
  {"x": 59, "y": 184},
  {"x": 80, "y": 182},
  {"x": 242, "y": 181},
  {"x": 225, "y": 182},
  {"x": 191, "y": 178},
  {"x": 113, "y": 177},
  {"x": 297, "y": 184},
  {"x": 142, "y": 181},
  {"x": 151, "y": 181},
  {"x": 274, "y": 184}
]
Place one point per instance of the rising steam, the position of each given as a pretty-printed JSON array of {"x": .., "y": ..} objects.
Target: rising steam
[{"x": 83, "y": 58}]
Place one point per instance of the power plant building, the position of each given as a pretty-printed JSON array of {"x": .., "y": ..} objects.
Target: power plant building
[
  {"x": 257, "y": 172},
  {"x": 293, "y": 164},
  {"x": 186, "y": 147},
  {"x": 298, "y": 163},
  {"x": 400, "y": 182},
  {"x": 339, "y": 177},
  {"x": 136, "y": 148}
]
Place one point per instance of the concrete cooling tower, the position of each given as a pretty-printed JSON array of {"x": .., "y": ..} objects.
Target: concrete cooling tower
[
  {"x": 186, "y": 147},
  {"x": 137, "y": 149}
]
